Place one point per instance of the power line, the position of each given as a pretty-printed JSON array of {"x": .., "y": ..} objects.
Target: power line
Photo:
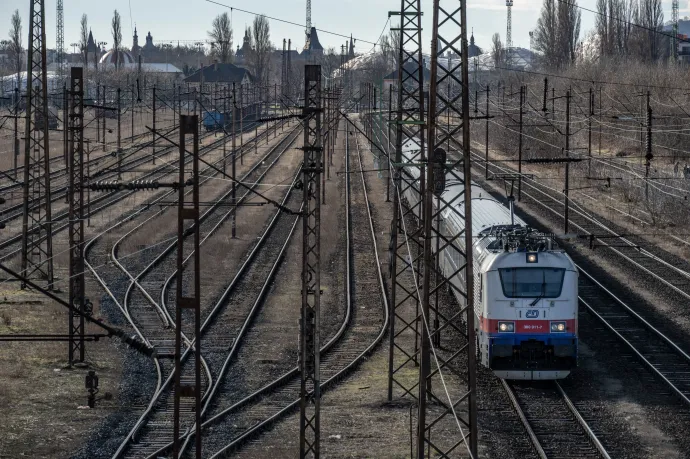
[{"x": 585, "y": 80}]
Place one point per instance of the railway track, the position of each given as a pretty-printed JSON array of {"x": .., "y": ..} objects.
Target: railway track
[
  {"x": 12, "y": 212},
  {"x": 62, "y": 171},
  {"x": 362, "y": 328},
  {"x": 660, "y": 265},
  {"x": 555, "y": 427},
  {"x": 8, "y": 246},
  {"x": 154, "y": 428},
  {"x": 659, "y": 354}
]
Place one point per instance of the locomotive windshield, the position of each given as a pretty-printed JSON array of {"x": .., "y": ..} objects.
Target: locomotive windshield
[{"x": 532, "y": 282}]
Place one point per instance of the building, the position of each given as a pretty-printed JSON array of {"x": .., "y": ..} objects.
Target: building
[
  {"x": 121, "y": 59},
  {"x": 136, "y": 49},
  {"x": 473, "y": 50},
  {"x": 242, "y": 54},
  {"x": 410, "y": 67},
  {"x": 312, "y": 48},
  {"x": 93, "y": 51},
  {"x": 221, "y": 74}
]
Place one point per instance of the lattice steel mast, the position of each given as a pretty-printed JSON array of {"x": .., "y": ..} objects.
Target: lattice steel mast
[
  {"x": 451, "y": 401},
  {"x": 674, "y": 21},
  {"x": 76, "y": 215},
  {"x": 37, "y": 239},
  {"x": 310, "y": 345},
  {"x": 509, "y": 26},
  {"x": 60, "y": 41},
  {"x": 409, "y": 124}
]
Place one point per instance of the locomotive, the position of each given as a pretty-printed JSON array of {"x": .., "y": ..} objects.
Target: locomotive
[{"x": 525, "y": 286}]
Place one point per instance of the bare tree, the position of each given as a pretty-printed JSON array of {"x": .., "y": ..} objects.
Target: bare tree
[
  {"x": 569, "y": 17},
  {"x": 558, "y": 33},
  {"x": 390, "y": 47},
  {"x": 545, "y": 37},
  {"x": 84, "y": 39},
  {"x": 601, "y": 25},
  {"x": 117, "y": 37},
  {"x": 261, "y": 50},
  {"x": 15, "y": 45},
  {"x": 651, "y": 18},
  {"x": 221, "y": 34},
  {"x": 497, "y": 51}
]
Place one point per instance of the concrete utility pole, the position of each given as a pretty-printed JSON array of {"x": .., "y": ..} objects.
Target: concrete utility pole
[{"x": 37, "y": 234}]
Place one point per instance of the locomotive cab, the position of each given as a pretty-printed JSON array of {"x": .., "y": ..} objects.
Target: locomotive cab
[{"x": 527, "y": 324}]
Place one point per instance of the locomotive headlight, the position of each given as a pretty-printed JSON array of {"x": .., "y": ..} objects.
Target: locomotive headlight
[
  {"x": 532, "y": 258},
  {"x": 557, "y": 327},
  {"x": 506, "y": 327}
]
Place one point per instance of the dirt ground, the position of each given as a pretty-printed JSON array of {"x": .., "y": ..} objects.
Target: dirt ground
[
  {"x": 356, "y": 419},
  {"x": 44, "y": 402}
]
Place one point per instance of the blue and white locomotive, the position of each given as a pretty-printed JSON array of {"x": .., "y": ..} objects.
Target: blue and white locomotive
[{"x": 525, "y": 288}]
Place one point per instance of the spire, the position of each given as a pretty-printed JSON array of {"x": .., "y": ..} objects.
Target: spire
[
  {"x": 472, "y": 38},
  {"x": 351, "y": 52}
]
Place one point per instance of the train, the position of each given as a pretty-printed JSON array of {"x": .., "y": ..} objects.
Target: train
[
  {"x": 213, "y": 120},
  {"x": 525, "y": 286}
]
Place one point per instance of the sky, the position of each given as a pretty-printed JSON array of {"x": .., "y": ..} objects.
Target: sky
[{"x": 173, "y": 20}]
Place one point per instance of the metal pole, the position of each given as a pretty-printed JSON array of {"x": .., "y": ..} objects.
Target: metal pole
[
  {"x": 589, "y": 131},
  {"x": 77, "y": 281},
  {"x": 567, "y": 155},
  {"x": 226, "y": 94},
  {"x": 188, "y": 125},
  {"x": 104, "y": 120},
  {"x": 649, "y": 155},
  {"x": 310, "y": 345},
  {"x": 234, "y": 160},
  {"x": 132, "y": 109},
  {"x": 153, "y": 143},
  {"x": 99, "y": 112},
  {"x": 37, "y": 237},
  {"x": 600, "y": 111},
  {"x": 522, "y": 109},
  {"x": 119, "y": 136},
  {"x": 388, "y": 142},
  {"x": 16, "y": 130},
  {"x": 65, "y": 146},
  {"x": 486, "y": 139}
]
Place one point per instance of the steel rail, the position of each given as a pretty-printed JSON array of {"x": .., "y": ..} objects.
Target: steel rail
[
  {"x": 591, "y": 436},
  {"x": 104, "y": 285},
  {"x": 254, "y": 308},
  {"x": 116, "y": 195},
  {"x": 610, "y": 247},
  {"x": 330, "y": 382},
  {"x": 291, "y": 136}
]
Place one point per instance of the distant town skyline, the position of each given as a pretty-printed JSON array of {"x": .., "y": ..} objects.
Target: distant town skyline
[{"x": 189, "y": 22}]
